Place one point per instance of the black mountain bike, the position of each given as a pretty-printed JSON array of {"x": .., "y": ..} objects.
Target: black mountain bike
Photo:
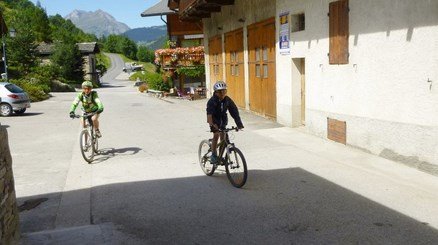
[
  {"x": 88, "y": 139},
  {"x": 228, "y": 155}
]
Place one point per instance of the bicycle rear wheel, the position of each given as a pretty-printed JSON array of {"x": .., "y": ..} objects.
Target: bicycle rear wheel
[
  {"x": 204, "y": 154},
  {"x": 86, "y": 145},
  {"x": 235, "y": 167}
]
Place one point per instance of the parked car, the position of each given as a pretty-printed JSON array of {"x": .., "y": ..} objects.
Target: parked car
[
  {"x": 132, "y": 67},
  {"x": 12, "y": 99}
]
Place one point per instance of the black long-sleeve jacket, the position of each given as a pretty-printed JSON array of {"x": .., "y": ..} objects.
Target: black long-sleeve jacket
[{"x": 218, "y": 109}]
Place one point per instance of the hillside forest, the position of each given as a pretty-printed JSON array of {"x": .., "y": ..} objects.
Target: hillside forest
[{"x": 33, "y": 27}]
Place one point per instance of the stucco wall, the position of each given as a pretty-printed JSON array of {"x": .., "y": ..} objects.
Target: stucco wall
[
  {"x": 9, "y": 221},
  {"x": 383, "y": 93}
]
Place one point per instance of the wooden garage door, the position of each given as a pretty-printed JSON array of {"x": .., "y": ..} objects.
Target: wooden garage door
[
  {"x": 234, "y": 66},
  {"x": 262, "y": 81},
  {"x": 215, "y": 56}
]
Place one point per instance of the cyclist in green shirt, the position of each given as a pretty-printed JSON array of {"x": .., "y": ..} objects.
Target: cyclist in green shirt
[{"x": 90, "y": 103}]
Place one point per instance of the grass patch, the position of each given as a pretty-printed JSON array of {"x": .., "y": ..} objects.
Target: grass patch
[{"x": 104, "y": 59}]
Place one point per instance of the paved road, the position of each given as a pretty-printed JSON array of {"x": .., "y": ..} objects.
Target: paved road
[{"x": 147, "y": 188}]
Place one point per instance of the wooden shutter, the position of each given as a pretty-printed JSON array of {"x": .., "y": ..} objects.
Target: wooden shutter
[{"x": 339, "y": 32}]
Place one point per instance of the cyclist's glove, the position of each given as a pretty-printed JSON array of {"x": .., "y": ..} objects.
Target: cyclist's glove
[
  {"x": 240, "y": 126},
  {"x": 99, "y": 111},
  {"x": 72, "y": 114}
]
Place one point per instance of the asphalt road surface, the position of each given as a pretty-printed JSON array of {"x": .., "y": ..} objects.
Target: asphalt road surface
[{"x": 146, "y": 186}]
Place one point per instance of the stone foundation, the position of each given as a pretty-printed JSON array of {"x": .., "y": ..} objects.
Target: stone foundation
[{"x": 9, "y": 221}]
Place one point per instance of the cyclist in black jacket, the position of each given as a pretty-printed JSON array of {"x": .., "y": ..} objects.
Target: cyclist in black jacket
[{"x": 217, "y": 118}]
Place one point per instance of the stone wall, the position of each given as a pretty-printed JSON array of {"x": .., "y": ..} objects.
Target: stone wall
[{"x": 9, "y": 221}]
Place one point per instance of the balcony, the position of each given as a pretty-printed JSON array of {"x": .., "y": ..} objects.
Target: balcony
[
  {"x": 195, "y": 10},
  {"x": 179, "y": 57}
]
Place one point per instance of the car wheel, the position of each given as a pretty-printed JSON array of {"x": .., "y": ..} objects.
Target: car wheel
[
  {"x": 21, "y": 111},
  {"x": 5, "y": 110}
]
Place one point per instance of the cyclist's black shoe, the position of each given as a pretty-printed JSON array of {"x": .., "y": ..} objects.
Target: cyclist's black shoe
[
  {"x": 98, "y": 134},
  {"x": 214, "y": 159}
]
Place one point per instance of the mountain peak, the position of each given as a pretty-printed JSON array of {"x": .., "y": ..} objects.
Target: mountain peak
[{"x": 98, "y": 22}]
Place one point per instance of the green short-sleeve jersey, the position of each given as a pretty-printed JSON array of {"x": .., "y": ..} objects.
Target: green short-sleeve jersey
[{"x": 90, "y": 103}]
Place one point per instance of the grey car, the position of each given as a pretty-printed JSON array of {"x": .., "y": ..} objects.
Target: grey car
[{"x": 12, "y": 99}]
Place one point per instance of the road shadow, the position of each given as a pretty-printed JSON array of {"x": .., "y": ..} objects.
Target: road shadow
[
  {"x": 283, "y": 206},
  {"x": 107, "y": 153},
  {"x": 26, "y": 114},
  {"x": 108, "y": 85}
]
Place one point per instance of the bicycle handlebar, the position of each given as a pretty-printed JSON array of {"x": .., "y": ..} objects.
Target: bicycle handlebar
[
  {"x": 229, "y": 129},
  {"x": 86, "y": 115}
]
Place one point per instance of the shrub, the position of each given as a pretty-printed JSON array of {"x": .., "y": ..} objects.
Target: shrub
[
  {"x": 155, "y": 81},
  {"x": 36, "y": 91},
  {"x": 139, "y": 74},
  {"x": 143, "y": 88}
]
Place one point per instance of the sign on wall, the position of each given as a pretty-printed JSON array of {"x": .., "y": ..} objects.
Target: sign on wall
[
  {"x": 337, "y": 130},
  {"x": 284, "y": 33}
]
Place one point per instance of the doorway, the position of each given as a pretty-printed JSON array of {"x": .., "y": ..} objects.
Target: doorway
[{"x": 298, "y": 92}]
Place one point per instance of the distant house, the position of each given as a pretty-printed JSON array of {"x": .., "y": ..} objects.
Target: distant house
[
  {"x": 187, "y": 49},
  {"x": 184, "y": 34},
  {"x": 88, "y": 51}
]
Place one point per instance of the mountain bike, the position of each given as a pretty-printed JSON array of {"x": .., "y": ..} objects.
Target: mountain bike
[
  {"x": 88, "y": 140},
  {"x": 228, "y": 155}
]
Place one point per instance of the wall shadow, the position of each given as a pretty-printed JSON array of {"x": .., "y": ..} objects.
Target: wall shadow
[{"x": 284, "y": 206}]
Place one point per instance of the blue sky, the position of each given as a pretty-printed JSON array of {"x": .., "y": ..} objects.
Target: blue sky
[{"x": 126, "y": 11}]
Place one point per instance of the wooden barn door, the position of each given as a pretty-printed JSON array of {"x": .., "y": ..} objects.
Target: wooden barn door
[
  {"x": 215, "y": 56},
  {"x": 234, "y": 66},
  {"x": 262, "y": 78}
]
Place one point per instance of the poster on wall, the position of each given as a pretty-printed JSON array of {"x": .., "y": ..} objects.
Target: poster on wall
[{"x": 284, "y": 33}]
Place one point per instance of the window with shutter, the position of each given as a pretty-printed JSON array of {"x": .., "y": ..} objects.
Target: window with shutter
[{"x": 338, "y": 32}]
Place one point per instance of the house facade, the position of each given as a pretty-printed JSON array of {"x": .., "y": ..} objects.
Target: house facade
[
  {"x": 362, "y": 73},
  {"x": 88, "y": 51},
  {"x": 186, "y": 51}
]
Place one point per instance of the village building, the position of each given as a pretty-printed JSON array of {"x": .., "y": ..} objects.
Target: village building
[
  {"x": 186, "y": 51},
  {"x": 362, "y": 73},
  {"x": 88, "y": 51}
]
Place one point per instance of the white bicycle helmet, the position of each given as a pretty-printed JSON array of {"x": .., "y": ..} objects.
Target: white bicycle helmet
[{"x": 219, "y": 85}]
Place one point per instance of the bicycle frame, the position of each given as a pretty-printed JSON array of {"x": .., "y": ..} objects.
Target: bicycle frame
[
  {"x": 229, "y": 156},
  {"x": 224, "y": 145},
  {"x": 89, "y": 138}
]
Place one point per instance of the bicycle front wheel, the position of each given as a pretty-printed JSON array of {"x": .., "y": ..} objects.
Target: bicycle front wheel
[
  {"x": 204, "y": 154},
  {"x": 86, "y": 145},
  {"x": 235, "y": 167},
  {"x": 96, "y": 144}
]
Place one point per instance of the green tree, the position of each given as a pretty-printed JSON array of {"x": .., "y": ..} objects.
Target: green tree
[
  {"x": 21, "y": 53},
  {"x": 40, "y": 24},
  {"x": 68, "y": 60},
  {"x": 145, "y": 54},
  {"x": 111, "y": 44},
  {"x": 129, "y": 48},
  {"x": 122, "y": 45}
]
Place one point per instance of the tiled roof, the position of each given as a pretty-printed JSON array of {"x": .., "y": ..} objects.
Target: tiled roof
[
  {"x": 45, "y": 48},
  {"x": 85, "y": 48},
  {"x": 158, "y": 9},
  {"x": 88, "y": 47}
]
